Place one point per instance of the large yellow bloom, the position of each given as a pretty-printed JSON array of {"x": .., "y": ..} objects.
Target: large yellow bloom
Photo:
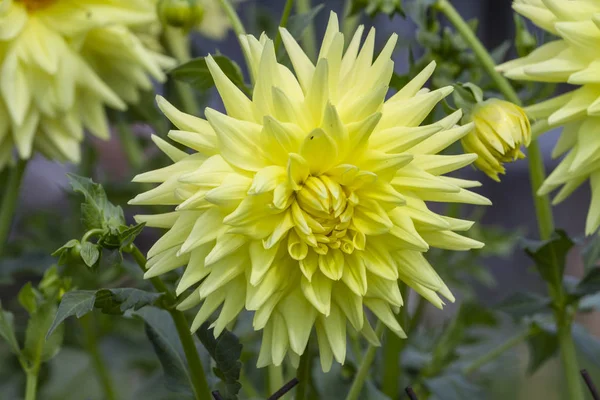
[
  {"x": 61, "y": 62},
  {"x": 574, "y": 59},
  {"x": 306, "y": 203}
]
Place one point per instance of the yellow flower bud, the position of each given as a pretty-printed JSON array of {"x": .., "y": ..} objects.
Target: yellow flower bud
[
  {"x": 499, "y": 130},
  {"x": 180, "y": 13}
]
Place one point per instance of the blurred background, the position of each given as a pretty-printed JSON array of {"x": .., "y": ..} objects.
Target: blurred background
[{"x": 45, "y": 191}]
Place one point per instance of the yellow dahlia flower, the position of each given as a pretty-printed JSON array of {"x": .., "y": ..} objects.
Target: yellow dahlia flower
[
  {"x": 501, "y": 127},
  {"x": 306, "y": 203},
  {"x": 572, "y": 58},
  {"x": 61, "y": 62}
]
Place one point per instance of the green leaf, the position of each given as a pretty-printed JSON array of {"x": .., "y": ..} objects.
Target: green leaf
[
  {"x": 28, "y": 298},
  {"x": 90, "y": 254},
  {"x": 226, "y": 351},
  {"x": 588, "y": 285},
  {"x": 110, "y": 258},
  {"x": 550, "y": 256},
  {"x": 162, "y": 333},
  {"x": 523, "y": 304},
  {"x": 128, "y": 235},
  {"x": 453, "y": 386},
  {"x": 7, "y": 330},
  {"x": 543, "y": 344},
  {"x": 298, "y": 23},
  {"x": 69, "y": 253},
  {"x": 76, "y": 302},
  {"x": 587, "y": 344},
  {"x": 196, "y": 73},
  {"x": 591, "y": 253},
  {"x": 97, "y": 212},
  {"x": 109, "y": 301},
  {"x": 40, "y": 347},
  {"x": 374, "y": 7}
]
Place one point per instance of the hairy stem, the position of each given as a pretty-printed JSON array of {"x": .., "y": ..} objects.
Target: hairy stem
[
  {"x": 197, "y": 376},
  {"x": 31, "y": 385},
  {"x": 365, "y": 365},
  {"x": 9, "y": 200}
]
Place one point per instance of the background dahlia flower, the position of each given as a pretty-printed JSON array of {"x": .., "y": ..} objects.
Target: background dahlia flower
[
  {"x": 62, "y": 62},
  {"x": 306, "y": 203},
  {"x": 569, "y": 59}
]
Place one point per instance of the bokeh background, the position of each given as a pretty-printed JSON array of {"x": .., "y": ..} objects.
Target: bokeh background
[{"x": 45, "y": 191}]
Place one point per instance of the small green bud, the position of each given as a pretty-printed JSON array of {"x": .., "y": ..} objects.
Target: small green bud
[{"x": 183, "y": 14}]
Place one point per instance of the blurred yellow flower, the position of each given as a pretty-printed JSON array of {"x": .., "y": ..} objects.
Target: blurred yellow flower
[
  {"x": 573, "y": 59},
  {"x": 61, "y": 63},
  {"x": 500, "y": 128},
  {"x": 306, "y": 203}
]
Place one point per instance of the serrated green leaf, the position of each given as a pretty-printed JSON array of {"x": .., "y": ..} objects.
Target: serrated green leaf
[
  {"x": 109, "y": 301},
  {"x": 7, "y": 330},
  {"x": 77, "y": 303},
  {"x": 226, "y": 351},
  {"x": 28, "y": 298},
  {"x": 40, "y": 347},
  {"x": 90, "y": 253},
  {"x": 196, "y": 73},
  {"x": 162, "y": 333},
  {"x": 550, "y": 256},
  {"x": 522, "y": 304},
  {"x": 110, "y": 258},
  {"x": 298, "y": 23},
  {"x": 97, "y": 212},
  {"x": 543, "y": 344}
]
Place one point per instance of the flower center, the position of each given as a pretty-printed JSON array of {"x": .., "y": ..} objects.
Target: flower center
[
  {"x": 327, "y": 207},
  {"x": 34, "y": 5}
]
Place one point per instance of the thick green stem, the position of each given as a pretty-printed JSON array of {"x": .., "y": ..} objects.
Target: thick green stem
[
  {"x": 568, "y": 356},
  {"x": 91, "y": 344},
  {"x": 283, "y": 23},
  {"x": 537, "y": 175},
  {"x": 275, "y": 376},
  {"x": 393, "y": 350},
  {"x": 309, "y": 41},
  {"x": 365, "y": 365},
  {"x": 31, "y": 385},
  {"x": 303, "y": 375},
  {"x": 495, "y": 352},
  {"x": 197, "y": 376},
  {"x": 9, "y": 201}
]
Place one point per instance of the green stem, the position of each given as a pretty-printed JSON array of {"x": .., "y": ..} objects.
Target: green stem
[
  {"x": 542, "y": 203},
  {"x": 9, "y": 201},
  {"x": 31, "y": 385},
  {"x": 365, "y": 365},
  {"x": 309, "y": 40},
  {"x": 536, "y": 162},
  {"x": 496, "y": 352},
  {"x": 417, "y": 316},
  {"x": 355, "y": 346},
  {"x": 197, "y": 376},
  {"x": 131, "y": 146},
  {"x": 392, "y": 352},
  {"x": 568, "y": 356},
  {"x": 178, "y": 45},
  {"x": 283, "y": 23},
  {"x": 236, "y": 23},
  {"x": 91, "y": 344},
  {"x": 275, "y": 375},
  {"x": 303, "y": 375}
]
